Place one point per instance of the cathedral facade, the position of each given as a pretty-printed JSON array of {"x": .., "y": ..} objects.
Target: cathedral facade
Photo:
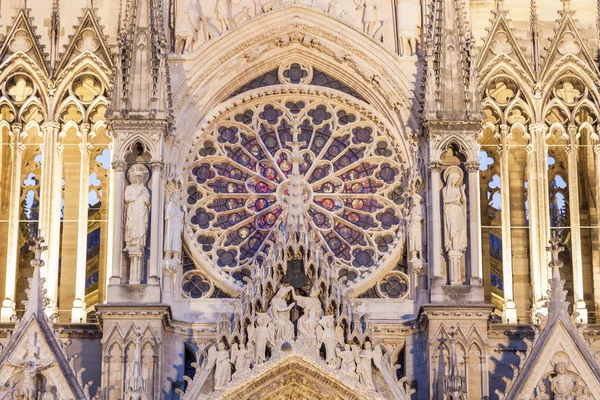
[{"x": 299, "y": 199}]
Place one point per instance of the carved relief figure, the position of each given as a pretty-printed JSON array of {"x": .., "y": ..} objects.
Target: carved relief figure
[
  {"x": 370, "y": 15},
  {"x": 137, "y": 205},
  {"x": 415, "y": 227},
  {"x": 541, "y": 392},
  {"x": 223, "y": 367},
  {"x": 348, "y": 365},
  {"x": 239, "y": 357},
  {"x": 221, "y": 14},
  {"x": 331, "y": 336},
  {"x": 562, "y": 385},
  {"x": 48, "y": 395},
  {"x": 30, "y": 369},
  {"x": 280, "y": 313},
  {"x": 311, "y": 306},
  {"x": 455, "y": 221},
  {"x": 367, "y": 356},
  {"x": 173, "y": 227},
  {"x": 408, "y": 17},
  {"x": 261, "y": 336}
]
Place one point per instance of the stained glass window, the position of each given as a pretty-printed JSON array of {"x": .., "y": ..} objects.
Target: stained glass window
[{"x": 237, "y": 190}]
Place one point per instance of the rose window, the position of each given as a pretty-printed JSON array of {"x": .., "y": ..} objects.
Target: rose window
[{"x": 238, "y": 191}]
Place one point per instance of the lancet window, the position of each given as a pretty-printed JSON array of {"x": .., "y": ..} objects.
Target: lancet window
[
  {"x": 503, "y": 187},
  {"x": 21, "y": 120}
]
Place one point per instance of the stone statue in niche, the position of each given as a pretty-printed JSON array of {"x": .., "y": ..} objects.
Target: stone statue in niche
[
  {"x": 409, "y": 20},
  {"x": 173, "y": 227},
  {"x": 30, "y": 367},
  {"x": 312, "y": 311},
  {"x": 562, "y": 385},
  {"x": 239, "y": 357},
  {"x": 329, "y": 335},
  {"x": 280, "y": 313},
  {"x": 455, "y": 220},
  {"x": 137, "y": 207},
  {"x": 415, "y": 228}
]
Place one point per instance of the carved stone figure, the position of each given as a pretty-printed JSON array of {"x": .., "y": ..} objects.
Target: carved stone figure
[
  {"x": 330, "y": 336},
  {"x": 48, "y": 395},
  {"x": 455, "y": 221},
  {"x": 173, "y": 227},
  {"x": 370, "y": 17},
  {"x": 312, "y": 309},
  {"x": 364, "y": 360},
  {"x": 137, "y": 201},
  {"x": 221, "y": 14},
  {"x": 415, "y": 227},
  {"x": 223, "y": 367},
  {"x": 280, "y": 313},
  {"x": 241, "y": 16},
  {"x": 239, "y": 357},
  {"x": 30, "y": 369},
  {"x": 562, "y": 385},
  {"x": 348, "y": 365},
  {"x": 541, "y": 392},
  {"x": 408, "y": 19},
  {"x": 261, "y": 335}
]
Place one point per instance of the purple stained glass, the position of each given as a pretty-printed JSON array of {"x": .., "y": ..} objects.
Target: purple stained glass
[{"x": 233, "y": 191}]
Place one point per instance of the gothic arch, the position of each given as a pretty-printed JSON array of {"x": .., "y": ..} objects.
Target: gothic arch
[{"x": 264, "y": 42}]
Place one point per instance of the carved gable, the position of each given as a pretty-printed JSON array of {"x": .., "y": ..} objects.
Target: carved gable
[
  {"x": 501, "y": 46},
  {"x": 567, "y": 42},
  {"x": 87, "y": 38},
  {"x": 22, "y": 38},
  {"x": 294, "y": 378}
]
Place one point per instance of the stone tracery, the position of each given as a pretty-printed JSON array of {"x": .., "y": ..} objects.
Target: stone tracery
[{"x": 243, "y": 185}]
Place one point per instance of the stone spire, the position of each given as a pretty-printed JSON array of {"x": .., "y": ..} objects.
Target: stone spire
[
  {"x": 557, "y": 306},
  {"x": 451, "y": 79},
  {"x": 142, "y": 81},
  {"x": 36, "y": 294},
  {"x": 454, "y": 383},
  {"x": 35, "y": 346}
]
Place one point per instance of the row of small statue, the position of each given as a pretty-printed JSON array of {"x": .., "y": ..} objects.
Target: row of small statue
[
  {"x": 352, "y": 360},
  {"x": 12, "y": 391}
]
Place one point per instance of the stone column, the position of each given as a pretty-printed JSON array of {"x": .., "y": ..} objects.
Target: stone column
[
  {"x": 474, "y": 225},
  {"x": 78, "y": 312},
  {"x": 53, "y": 188},
  {"x": 435, "y": 259},
  {"x": 156, "y": 214},
  {"x": 509, "y": 313},
  {"x": 117, "y": 239},
  {"x": 597, "y": 176},
  {"x": 12, "y": 257},
  {"x": 573, "y": 182},
  {"x": 536, "y": 222}
]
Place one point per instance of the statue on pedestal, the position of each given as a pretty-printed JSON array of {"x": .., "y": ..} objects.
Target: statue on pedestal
[
  {"x": 173, "y": 227},
  {"x": 137, "y": 209},
  {"x": 455, "y": 220}
]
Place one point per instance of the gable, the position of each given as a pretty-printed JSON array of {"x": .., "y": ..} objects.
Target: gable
[
  {"x": 87, "y": 38},
  {"x": 22, "y": 39}
]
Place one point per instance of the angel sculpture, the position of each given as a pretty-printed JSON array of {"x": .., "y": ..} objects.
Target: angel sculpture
[
  {"x": 261, "y": 335},
  {"x": 311, "y": 306},
  {"x": 218, "y": 358},
  {"x": 364, "y": 358},
  {"x": 330, "y": 335},
  {"x": 348, "y": 366},
  {"x": 280, "y": 313},
  {"x": 239, "y": 357}
]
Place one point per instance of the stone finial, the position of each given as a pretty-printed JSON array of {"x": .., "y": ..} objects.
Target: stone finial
[
  {"x": 566, "y": 5},
  {"x": 36, "y": 293},
  {"x": 558, "y": 303},
  {"x": 499, "y": 5}
]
